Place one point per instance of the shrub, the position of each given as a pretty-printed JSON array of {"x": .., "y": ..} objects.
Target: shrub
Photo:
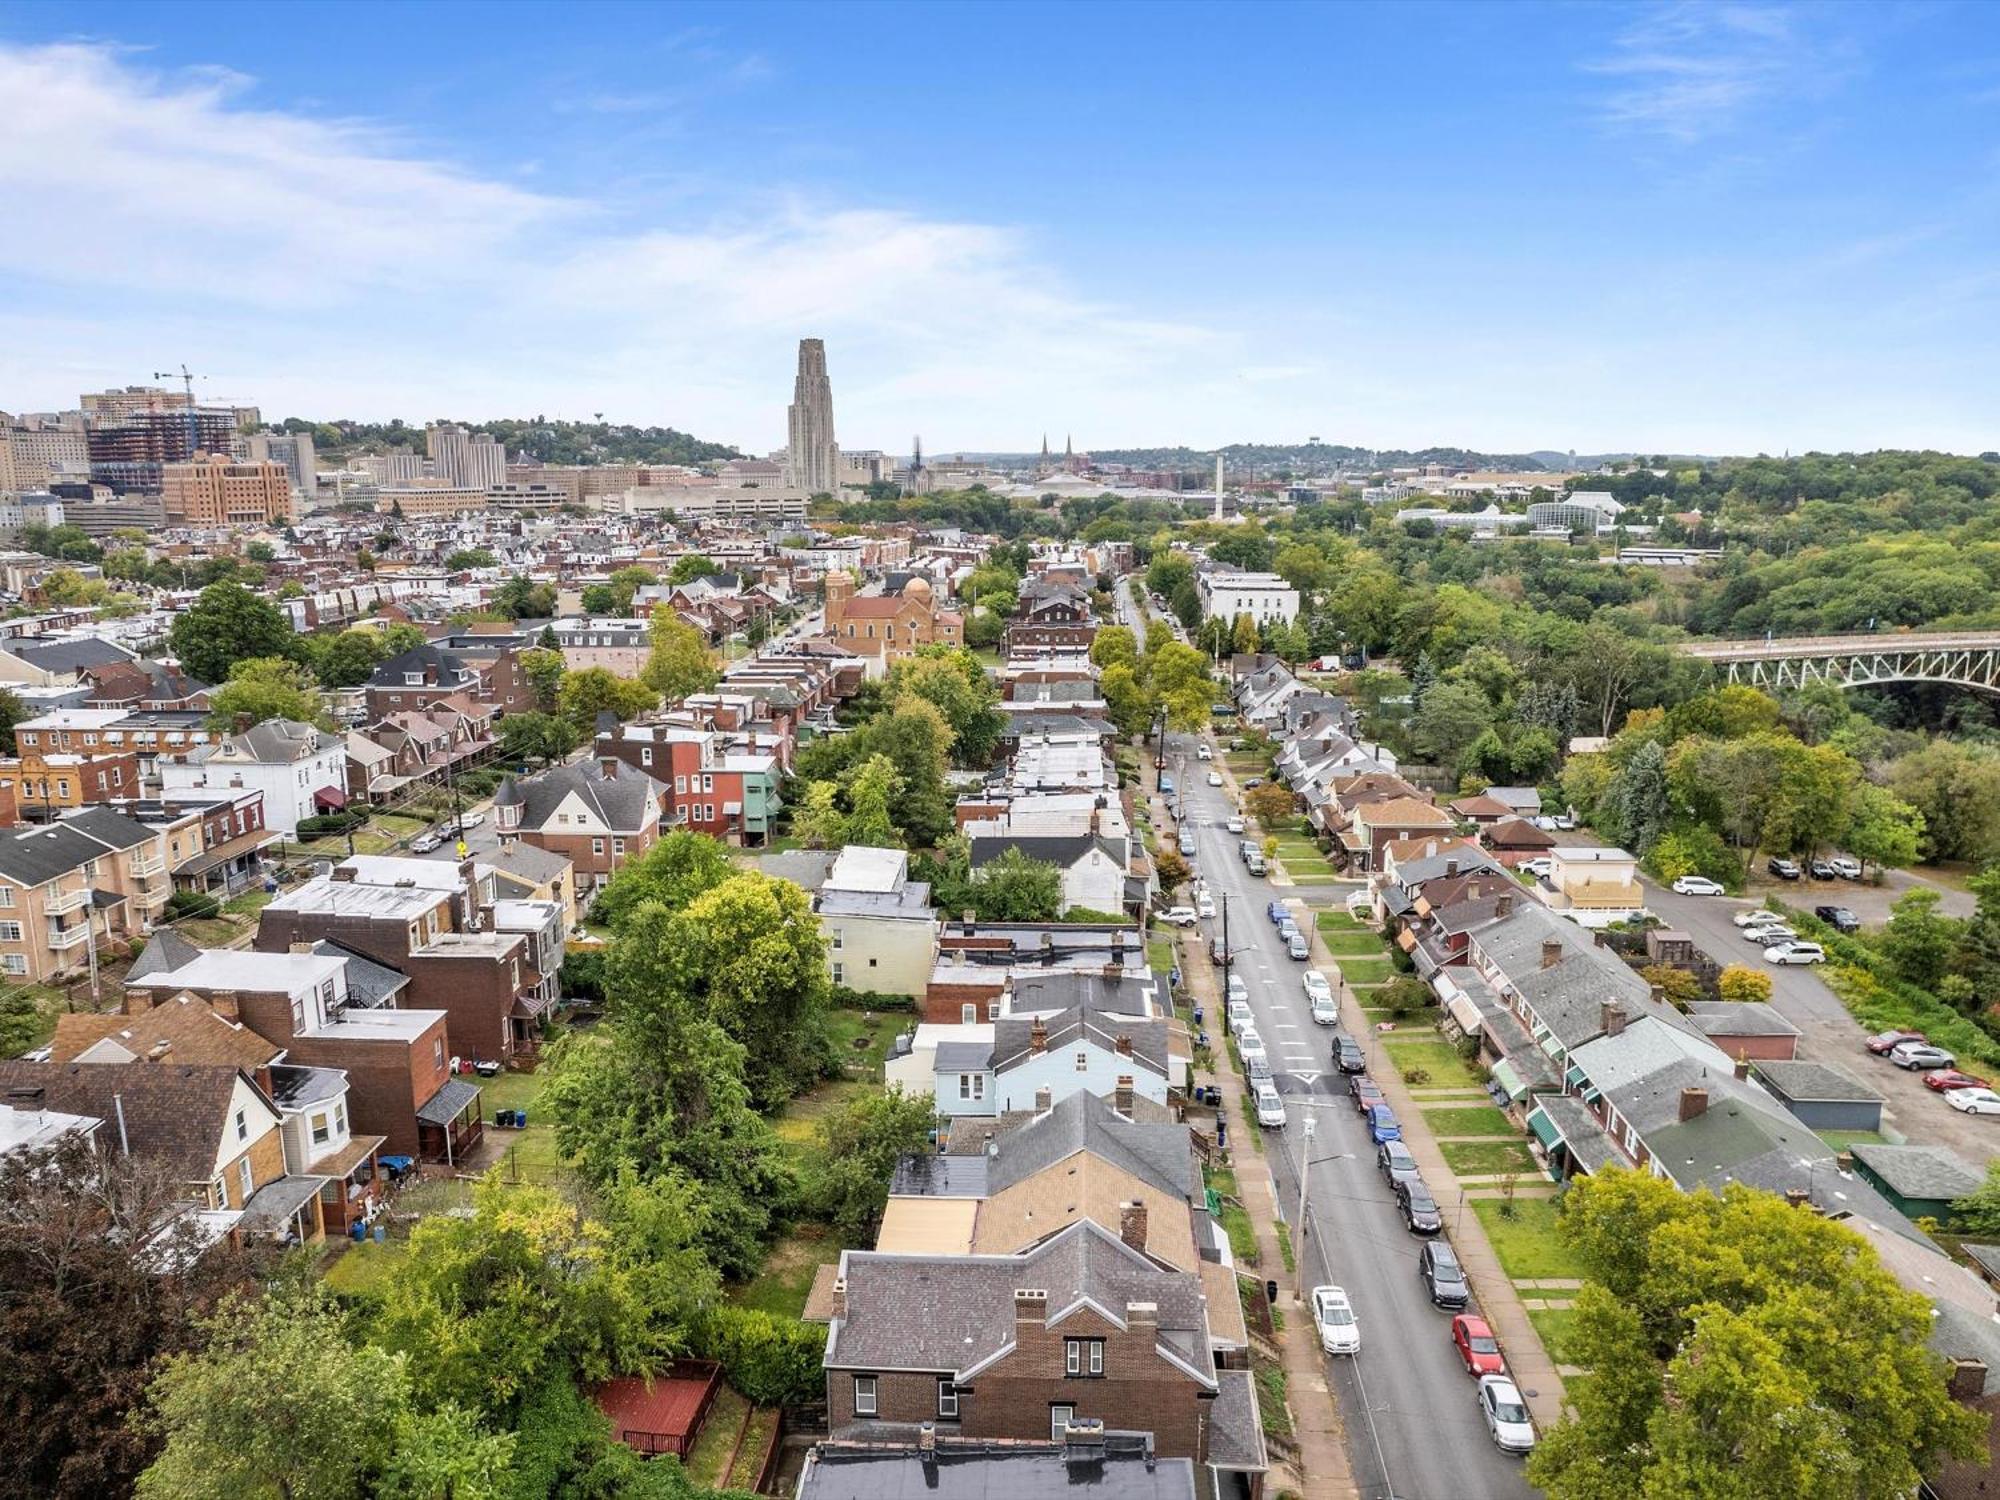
[
  {"x": 840, "y": 997},
  {"x": 1416, "y": 1077},
  {"x": 1740, "y": 983},
  {"x": 192, "y": 904},
  {"x": 313, "y": 828},
  {"x": 772, "y": 1361}
]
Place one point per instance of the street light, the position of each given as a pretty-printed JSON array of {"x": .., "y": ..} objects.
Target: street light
[{"x": 1307, "y": 1163}]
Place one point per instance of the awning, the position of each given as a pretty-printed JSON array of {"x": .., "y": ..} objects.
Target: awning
[
  {"x": 449, "y": 1102},
  {"x": 276, "y": 1205},
  {"x": 1462, "y": 1010},
  {"x": 1544, "y": 1129},
  {"x": 1509, "y": 1079},
  {"x": 330, "y": 796}
]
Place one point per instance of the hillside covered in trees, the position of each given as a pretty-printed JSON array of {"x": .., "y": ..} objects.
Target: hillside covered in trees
[{"x": 550, "y": 440}]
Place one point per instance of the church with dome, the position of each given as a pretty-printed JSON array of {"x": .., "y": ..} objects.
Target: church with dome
[{"x": 885, "y": 628}]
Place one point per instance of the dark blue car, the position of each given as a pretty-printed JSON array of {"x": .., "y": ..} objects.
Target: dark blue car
[
  {"x": 1276, "y": 912},
  {"x": 1382, "y": 1125}
]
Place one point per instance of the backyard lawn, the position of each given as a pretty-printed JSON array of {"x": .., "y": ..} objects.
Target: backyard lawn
[
  {"x": 1487, "y": 1158},
  {"x": 1472, "y": 1119},
  {"x": 1367, "y": 970},
  {"x": 1433, "y": 1054},
  {"x": 360, "y": 1270},
  {"x": 1527, "y": 1243},
  {"x": 717, "y": 1442},
  {"x": 1331, "y": 922},
  {"x": 787, "y": 1276},
  {"x": 1355, "y": 943}
]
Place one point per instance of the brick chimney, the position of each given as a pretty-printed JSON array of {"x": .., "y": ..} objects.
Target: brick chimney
[
  {"x": 1450, "y": 869},
  {"x": 223, "y": 1003},
  {"x": 1142, "y": 1316},
  {"x": 1123, "y": 1044},
  {"x": 1742, "y": 1067},
  {"x": 1611, "y": 1018},
  {"x": 1038, "y": 1035},
  {"x": 1968, "y": 1380},
  {"x": 1552, "y": 952},
  {"x": 1031, "y": 1306},
  {"x": 1045, "y": 1098},
  {"x": 839, "y": 1299},
  {"x": 1121, "y": 1096},
  {"x": 1504, "y": 907},
  {"x": 608, "y": 764},
  {"x": 343, "y": 873},
  {"x": 1797, "y": 1197},
  {"x": 1132, "y": 1223},
  {"x": 1694, "y": 1104}
]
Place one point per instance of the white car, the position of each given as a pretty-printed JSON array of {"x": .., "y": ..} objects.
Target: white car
[
  {"x": 1756, "y": 916},
  {"x": 1764, "y": 934},
  {"x": 1314, "y": 984},
  {"x": 470, "y": 821},
  {"x": 1202, "y": 752},
  {"x": 1697, "y": 885},
  {"x": 423, "y": 843},
  {"x": 1178, "y": 916},
  {"x": 1250, "y": 1045},
  {"x": 1795, "y": 953},
  {"x": 1204, "y": 905},
  {"x": 1239, "y": 1016},
  {"x": 1270, "y": 1107},
  {"x": 1333, "y": 1315},
  {"x": 1326, "y": 1012},
  {"x": 1234, "y": 825},
  {"x": 1238, "y": 990},
  {"x": 1536, "y": 867},
  {"x": 1973, "y": 1101},
  {"x": 1506, "y": 1414},
  {"x": 1846, "y": 866},
  {"x": 1215, "y": 778}
]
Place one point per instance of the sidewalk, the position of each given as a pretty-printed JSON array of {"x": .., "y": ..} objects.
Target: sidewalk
[
  {"x": 1500, "y": 1302},
  {"x": 1322, "y": 1444}
]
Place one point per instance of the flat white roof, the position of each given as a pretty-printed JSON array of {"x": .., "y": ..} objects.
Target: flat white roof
[
  {"x": 862, "y": 868},
  {"x": 241, "y": 969},
  {"x": 76, "y": 718},
  {"x": 352, "y": 899},
  {"x": 1582, "y": 854},
  {"x": 390, "y": 869},
  {"x": 376, "y": 1024}
]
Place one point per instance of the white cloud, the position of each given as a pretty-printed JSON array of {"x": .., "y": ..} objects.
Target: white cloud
[{"x": 330, "y": 268}]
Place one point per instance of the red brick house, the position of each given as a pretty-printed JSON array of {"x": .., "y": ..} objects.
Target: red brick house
[{"x": 598, "y": 815}]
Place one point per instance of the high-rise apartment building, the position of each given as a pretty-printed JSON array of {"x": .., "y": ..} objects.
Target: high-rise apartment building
[
  {"x": 215, "y": 491},
  {"x": 40, "y": 452},
  {"x": 466, "y": 460},
  {"x": 812, "y": 457},
  {"x": 294, "y": 450},
  {"x": 397, "y": 466},
  {"x": 108, "y": 408}
]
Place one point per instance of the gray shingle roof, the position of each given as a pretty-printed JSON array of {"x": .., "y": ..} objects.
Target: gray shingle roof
[
  {"x": 619, "y": 800},
  {"x": 936, "y": 1176},
  {"x": 37, "y": 854},
  {"x": 970, "y": 1470},
  {"x": 954, "y": 1313},
  {"x": 1060, "y": 850},
  {"x": 109, "y": 827},
  {"x": 174, "y": 1113},
  {"x": 1157, "y": 1154},
  {"x": 1725, "y": 1018},
  {"x": 1920, "y": 1171},
  {"x": 164, "y": 952},
  {"x": 1012, "y": 1035},
  {"x": 1814, "y": 1081},
  {"x": 369, "y": 984},
  {"x": 67, "y": 656}
]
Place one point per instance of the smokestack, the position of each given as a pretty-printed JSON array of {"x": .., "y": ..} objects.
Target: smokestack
[
  {"x": 1121, "y": 1096},
  {"x": 1044, "y": 1099},
  {"x": 840, "y": 1299},
  {"x": 1797, "y": 1197},
  {"x": 1142, "y": 1315},
  {"x": 1123, "y": 1044},
  {"x": 1694, "y": 1104},
  {"x": 1742, "y": 1067},
  {"x": 1968, "y": 1380},
  {"x": 1504, "y": 907}
]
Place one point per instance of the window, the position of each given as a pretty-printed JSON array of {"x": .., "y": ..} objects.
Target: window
[
  {"x": 437, "y": 1050},
  {"x": 1059, "y": 1419},
  {"x": 864, "y": 1396},
  {"x": 1631, "y": 1139},
  {"x": 617, "y": 846},
  {"x": 972, "y": 1086},
  {"x": 968, "y": 1015},
  {"x": 839, "y": 970},
  {"x": 837, "y": 939},
  {"x": 10, "y": 932},
  {"x": 244, "y": 1181},
  {"x": 947, "y": 1400},
  {"x": 320, "y": 1133},
  {"x": 597, "y": 847},
  {"x": 1083, "y": 1062},
  {"x": 6, "y": 895},
  {"x": 340, "y": 1117},
  {"x": 242, "y": 1125},
  {"x": 680, "y": 785},
  {"x": 14, "y": 963},
  {"x": 645, "y": 757},
  {"x": 1084, "y": 1357}
]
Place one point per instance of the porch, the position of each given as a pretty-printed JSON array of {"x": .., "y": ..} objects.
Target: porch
[{"x": 449, "y": 1123}]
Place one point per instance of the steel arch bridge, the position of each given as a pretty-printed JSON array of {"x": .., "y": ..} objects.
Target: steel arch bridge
[{"x": 1969, "y": 659}]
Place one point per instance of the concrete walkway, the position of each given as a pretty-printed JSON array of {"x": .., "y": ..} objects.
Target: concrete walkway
[
  {"x": 1323, "y": 1469},
  {"x": 1499, "y": 1301}
]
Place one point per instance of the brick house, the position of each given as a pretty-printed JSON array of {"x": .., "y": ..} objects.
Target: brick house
[
  {"x": 91, "y": 876},
  {"x": 1081, "y": 1328},
  {"x": 416, "y": 679},
  {"x": 883, "y": 629},
  {"x": 1052, "y": 615},
  {"x": 599, "y": 815},
  {"x": 713, "y": 787},
  {"x": 52, "y": 782}
]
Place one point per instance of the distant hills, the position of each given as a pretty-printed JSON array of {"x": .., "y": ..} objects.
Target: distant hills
[{"x": 551, "y": 441}]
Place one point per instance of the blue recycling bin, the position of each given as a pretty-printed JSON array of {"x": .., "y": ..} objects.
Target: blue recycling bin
[
  {"x": 360, "y": 1230},
  {"x": 381, "y": 1234}
]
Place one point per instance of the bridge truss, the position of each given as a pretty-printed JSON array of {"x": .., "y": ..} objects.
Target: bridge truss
[{"x": 1780, "y": 666}]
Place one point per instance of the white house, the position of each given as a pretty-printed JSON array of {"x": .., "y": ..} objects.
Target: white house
[
  {"x": 300, "y": 769},
  {"x": 881, "y": 934},
  {"x": 1261, "y": 596},
  {"x": 1093, "y": 865}
]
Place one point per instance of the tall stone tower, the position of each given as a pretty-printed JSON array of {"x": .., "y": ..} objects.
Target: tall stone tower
[{"x": 812, "y": 460}]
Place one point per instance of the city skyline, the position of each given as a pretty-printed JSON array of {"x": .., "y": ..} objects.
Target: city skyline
[{"x": 1721, "y": 230}]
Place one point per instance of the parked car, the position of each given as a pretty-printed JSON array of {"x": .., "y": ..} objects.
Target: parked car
[
  {"x": 1839, "y": 918},
  {"x": 1791, "y": 952},
  {"x": 1234, "y": 825},
  {"x": 1166, "y": 786},
  {"x": 1347, "y": 1055},
  {"x": 1784, "y": 869},
  {"x": 1178, "y": 916},
  {"x": 1185, "y": 843},
  {"x": 1278, "y": 914},
  {"x": 1885, "y": 1042},
  {"x": 1215, "y": 778},
  {"x": 1247, "y": 848},
  {"x": 1506, "y": 1414},
  {"x": 1325, "y": 1012},
  {"x": 1820, "y": 869},
  {"x": 1204, "y": 905},
  {"x": 1393, "y": 1160},
  {"x": 1846, "y": 866},
  {"x": 423, "y": 843},
  {"x": 1270, "y": 1107},
  {"x": 1333, "y": 1316},
  {"x": 1974, "y": 1101},
  {"x": 1477, "y": 1349},
  {"x": 1249, "y": 1045},
  {"x": 1443, "y": 1277},
  {"x": 1382, "y": 1125},
  {"x": 1539, "y": 868},
  {"x": 1257, "y": 1069},
  {"x": 1944, "y": 1080},
  {"x": 1697, "y": 885},
  {"x": 1217, "y": 953},
  {"x": 1314, "y": 984},
  {"x": 1297, "y": 947},
  {"x": 1202, "y": 751},
  {"x": 469, "y": 821},
  {"x": 1766, "y": 933},
  {"x": 1255, "y": 863},
  {"x": 1364, "y": 1091},
  {"x": 1921, "y": 1057},
  {"x": 1239, "y": 1015},
  {"x": 1752, "y": 915},
  {"x": 1418, "y": 1208},
  {"x": 1253, "y": 783}
]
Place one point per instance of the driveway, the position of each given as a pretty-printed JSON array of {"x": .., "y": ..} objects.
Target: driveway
[{"x": 1829, "y": 1033}]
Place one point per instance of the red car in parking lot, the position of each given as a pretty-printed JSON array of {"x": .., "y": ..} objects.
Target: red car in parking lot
[
  {"x": 1950, "y": 1078},
  {"x": 1883, "y": 1043},
  {"x": 1477, "y": 1349}
]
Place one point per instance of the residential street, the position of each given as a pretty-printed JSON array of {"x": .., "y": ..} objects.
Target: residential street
[{"x": 1413, "y": 1426}]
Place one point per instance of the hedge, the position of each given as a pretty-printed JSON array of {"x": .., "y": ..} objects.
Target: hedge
[
  {"x": 842, "y": 998},
  {"x": 771, "y": 1361}
]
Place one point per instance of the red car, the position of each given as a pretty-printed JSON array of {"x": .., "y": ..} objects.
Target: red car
[
  {"x": 1951, "y": 1078},
  {"x": 1477, "y": 1349},
  {"x": 1883, "y": 1043}
]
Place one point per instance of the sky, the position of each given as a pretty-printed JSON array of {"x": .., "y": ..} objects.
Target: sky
[{"x": 1721, "y": 228}]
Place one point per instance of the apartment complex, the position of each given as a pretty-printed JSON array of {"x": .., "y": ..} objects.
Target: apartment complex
[{"x": 212, "y": 490}]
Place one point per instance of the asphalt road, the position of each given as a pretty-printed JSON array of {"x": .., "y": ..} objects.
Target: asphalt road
[{"x": 1413, "y": 1426}]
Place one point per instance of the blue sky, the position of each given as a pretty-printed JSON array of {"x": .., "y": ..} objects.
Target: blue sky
[{"x": 1719, "y": 228}]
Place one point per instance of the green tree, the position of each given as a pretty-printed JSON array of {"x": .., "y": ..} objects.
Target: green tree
[
  {"x": 1016, "y": 888},
  {"x": 271, "y": 687},
  {"x": 227, "y": 624},
  {"x": 586, "y": 694},
  {"x": 1977, "y": 1214},
  {"x": 1114, "y": 646},
  {"x": 282, "y": 1403},
  {"x": 680, "y": 866},
  {"x": 1740, "y": 1348},
  {"x": 1955, "y": 789},
  {"x": 1129, "y": 704},
  {"x": 521, "y": 598},
  {"x": 1679, "y": 986},
  {"x": 536, "y": 736},
  {"x": 1638, "y": 803},
  {"x": 599, "y": 599},
  {"x": 857, "y": 1148},
  {"x": 1883, "y": 830},
  {"x": 1741, "y": 983},
  {"x": 1243, "y": 637},
  {"x": 1979, "y": 944},
  {"x": 467, "y": 558},
  {"x": 1452, "y": 716},
  {"x": 1918, "y": 939},
  {"x": 680, "y": 663},
  {"x": 347, "y": 659},
  {"x": 445, "y": 1456},
  {"x": 626, "y": 583},
  {"x": 952, "y": 680},
  {"x": 871, "y": 791},
  {"x": 543, "y": 667},
  {"x": 817, "y": 821},
  {"x": 1182, "y": 685},
  {"x": 690, "y": 566},
  {"x": 12, "y": 712}
]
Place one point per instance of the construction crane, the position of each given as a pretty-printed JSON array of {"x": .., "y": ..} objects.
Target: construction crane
[{"x": 187, "y": 385}]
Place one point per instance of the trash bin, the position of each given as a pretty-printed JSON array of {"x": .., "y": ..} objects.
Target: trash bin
[
  {"x": 360, "y": 1230},
  {"x": 381, "y": 1234},
  {"x": 1271, "y": 1292}
]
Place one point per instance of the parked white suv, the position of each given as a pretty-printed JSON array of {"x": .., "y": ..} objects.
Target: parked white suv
[
  {"x": 1846, "y": 866},
  {"x": 1697, "y": 885},
  {"x": 1795, "y": 953},
  {"x": 1178, "y": 916}
]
